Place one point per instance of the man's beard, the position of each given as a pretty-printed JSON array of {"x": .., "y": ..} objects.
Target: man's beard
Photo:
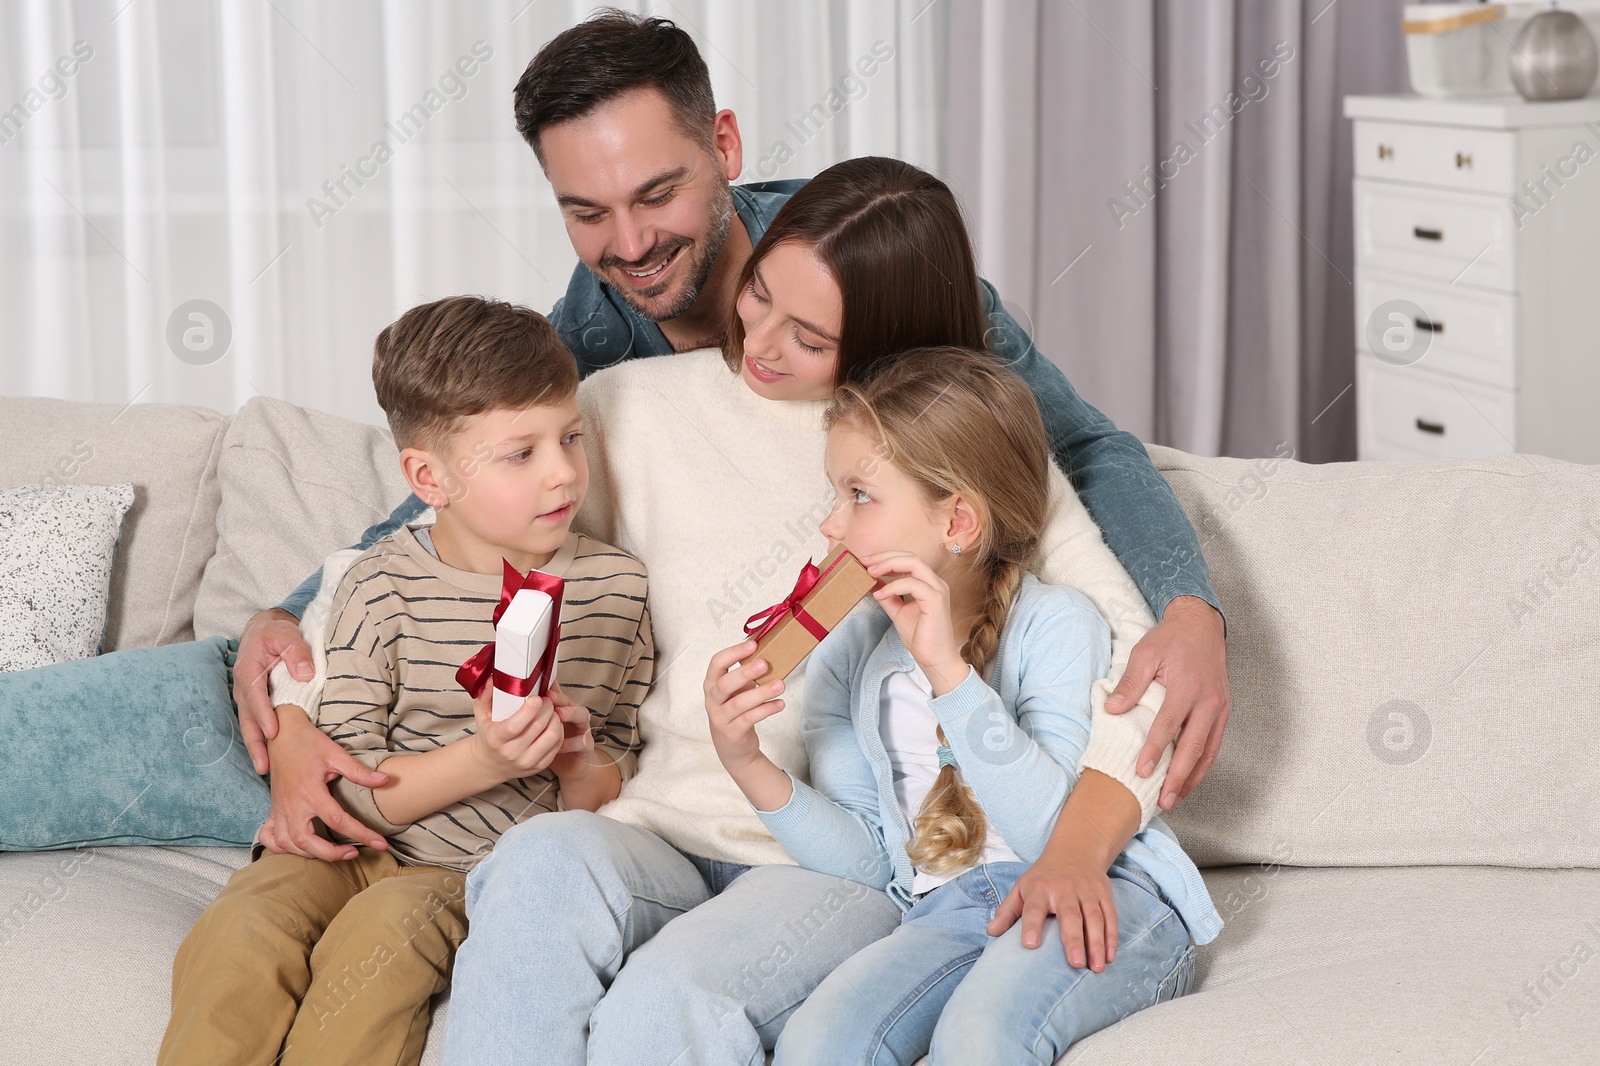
[{"x": 699, "y": 267}]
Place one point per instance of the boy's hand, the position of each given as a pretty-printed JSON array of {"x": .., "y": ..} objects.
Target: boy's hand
[
  {"x": 576, "y": 756},
  {"x": 924, "y": 623},
  {"x": 1080, "y": 898},
  {"x": 521, "y": 745},
  {"x": 736, "y": 701}
]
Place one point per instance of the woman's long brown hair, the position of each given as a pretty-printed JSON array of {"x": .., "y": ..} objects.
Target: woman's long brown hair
[
  {"x": 957, "y": 423},
  {"x": 893, "y": 238}
]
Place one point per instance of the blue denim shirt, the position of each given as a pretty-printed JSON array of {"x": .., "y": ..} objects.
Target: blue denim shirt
[
  {"x": 1110, "y": 469},
  {"x": 1017, "y": 740}
]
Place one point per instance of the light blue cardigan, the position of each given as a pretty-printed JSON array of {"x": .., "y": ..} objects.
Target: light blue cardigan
[{"x": 1019, "y": 749}]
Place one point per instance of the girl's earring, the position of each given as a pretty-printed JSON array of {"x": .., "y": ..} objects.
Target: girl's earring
[{"x": 956, "y": 548}]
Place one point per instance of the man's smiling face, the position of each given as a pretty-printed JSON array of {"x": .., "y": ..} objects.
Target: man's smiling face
[{"x": 647, "y": 206}]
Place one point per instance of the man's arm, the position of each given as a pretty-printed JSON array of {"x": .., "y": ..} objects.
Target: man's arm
[
  {"x": 1151, "y": 536},
  {"x": 1129, "y": 499}
]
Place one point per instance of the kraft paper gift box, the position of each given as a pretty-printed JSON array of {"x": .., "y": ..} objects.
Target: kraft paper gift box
[
  {"x": 526, "y": 632},
  {"x": 786, "y": 632}
]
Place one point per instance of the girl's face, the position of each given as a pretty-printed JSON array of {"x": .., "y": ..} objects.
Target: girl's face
[
  {"x": 878, "y": 508},
  {"x": 792, "y": 310}
]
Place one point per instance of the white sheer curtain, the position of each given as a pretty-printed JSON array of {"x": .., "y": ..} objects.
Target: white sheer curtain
[{"x": 154, "y": 154}]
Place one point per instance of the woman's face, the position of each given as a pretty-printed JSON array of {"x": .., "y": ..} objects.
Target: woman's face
[{"x": 792, "y": 311}]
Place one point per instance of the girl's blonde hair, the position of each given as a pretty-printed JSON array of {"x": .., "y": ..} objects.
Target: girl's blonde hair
[{"x": 957, "y": 423}]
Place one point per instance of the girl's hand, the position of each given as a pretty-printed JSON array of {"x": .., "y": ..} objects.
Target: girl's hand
[
  {"x": 521, "y": 745},
  {"x": 1080, "y": 898},
  {"x": 735, "y": 702},
  {"x": 924, "y": 623},
  {"x": 576, "y": 756}
]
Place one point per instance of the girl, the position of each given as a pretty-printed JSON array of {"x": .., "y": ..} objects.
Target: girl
[{"x": 944, "y": 732}]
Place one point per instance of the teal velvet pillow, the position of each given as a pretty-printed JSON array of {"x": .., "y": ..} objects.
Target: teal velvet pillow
[{"x": 134, "y": 747}]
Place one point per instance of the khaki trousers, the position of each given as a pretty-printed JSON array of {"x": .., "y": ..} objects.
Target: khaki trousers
[{"x": 327, "y": 963}]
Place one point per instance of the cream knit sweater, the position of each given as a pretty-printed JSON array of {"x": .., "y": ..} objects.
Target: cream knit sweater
[{"x": 719, "y": 492}]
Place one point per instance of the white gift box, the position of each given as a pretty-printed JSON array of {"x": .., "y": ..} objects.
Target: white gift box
[{"x": 520, "y": 639}]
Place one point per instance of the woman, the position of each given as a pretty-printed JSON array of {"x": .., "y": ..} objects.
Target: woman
[{"x": 677, "y": 922}]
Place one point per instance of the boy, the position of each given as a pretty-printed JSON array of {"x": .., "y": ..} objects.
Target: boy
[{"x": 337, "y": 961}]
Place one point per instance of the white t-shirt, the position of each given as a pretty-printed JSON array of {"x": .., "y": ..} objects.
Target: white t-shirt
[{"x": 909, "y": 730}]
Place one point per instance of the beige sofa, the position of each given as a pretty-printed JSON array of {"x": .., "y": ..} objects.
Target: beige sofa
[{"x": 1402, "y": 833}]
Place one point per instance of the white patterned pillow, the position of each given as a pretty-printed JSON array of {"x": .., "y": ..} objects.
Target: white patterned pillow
[{"x": 57, "y": 544}]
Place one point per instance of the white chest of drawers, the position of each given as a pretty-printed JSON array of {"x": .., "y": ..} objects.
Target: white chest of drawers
[{"x": 1477, "y": 232}]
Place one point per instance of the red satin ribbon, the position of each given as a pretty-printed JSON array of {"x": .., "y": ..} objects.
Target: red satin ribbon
[
  {"x": 478, "y": 669},
  {"x": 761, "y": 623}
]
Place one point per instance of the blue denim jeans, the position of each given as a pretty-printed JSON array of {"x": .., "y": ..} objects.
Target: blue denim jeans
[
  {"x": 942, "y": 987},
  {"x": 591, "y": 940}
]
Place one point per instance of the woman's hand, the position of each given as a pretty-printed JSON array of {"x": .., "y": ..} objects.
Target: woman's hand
[
  {"x": 736, "y": 701},
  {"x": 304, "y": 762},
  {"x": 924, "y": 624},
  {"x": 1079, "y": 896},
  {"x": 519, "y": 746},
  {"x": 269, "y": 636}
]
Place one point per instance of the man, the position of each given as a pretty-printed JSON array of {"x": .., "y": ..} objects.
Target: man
[{"x": 643, "y": 184}]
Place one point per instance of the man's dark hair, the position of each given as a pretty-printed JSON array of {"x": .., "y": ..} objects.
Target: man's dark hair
[{"x": 607, "y": 55}]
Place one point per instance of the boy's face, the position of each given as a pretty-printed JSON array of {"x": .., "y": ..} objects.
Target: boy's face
[{"x": 512, "y": 480}]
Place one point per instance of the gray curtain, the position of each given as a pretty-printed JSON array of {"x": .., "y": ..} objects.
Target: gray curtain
[{"x": 1183, "y": 254}]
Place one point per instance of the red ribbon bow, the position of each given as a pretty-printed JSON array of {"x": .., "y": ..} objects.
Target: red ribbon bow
[
  {"x": 761, "y": 623},
  {"x": 477, "y": 670}
]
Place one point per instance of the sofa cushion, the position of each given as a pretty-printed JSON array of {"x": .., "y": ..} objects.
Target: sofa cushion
[
  {"x": 1422, "y": 965},
  {"x": 172, "y": 769},
  {"x": 58, "y": 544},
  {"x": 169, "y": 453},
  {"x": 88, "y": 943},
  {"x": 296, "y": 485},
  {"x": 1411, "y": 649}
]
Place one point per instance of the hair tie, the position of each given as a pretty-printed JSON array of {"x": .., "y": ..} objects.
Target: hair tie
[{"x": 946, "y": 756}]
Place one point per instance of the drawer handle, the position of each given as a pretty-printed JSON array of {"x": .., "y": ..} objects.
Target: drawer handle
[
  {"x": 1463, "y": 161},
  {"x": 1431, "y": 327},
  {"x": 1436, "y": 428},
  {"x": 1385, "y": 152},
  {"x": 1427, "y": 234}
]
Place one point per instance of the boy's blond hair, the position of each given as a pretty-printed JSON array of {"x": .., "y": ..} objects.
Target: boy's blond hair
[{"x": 444, "y": 361}]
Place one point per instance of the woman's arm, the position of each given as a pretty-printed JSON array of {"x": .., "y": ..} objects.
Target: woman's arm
[
  {"x": 270, "y": 638},
  {"x": 1069, "y": 881},
  {"x": 304, "y": 761}
]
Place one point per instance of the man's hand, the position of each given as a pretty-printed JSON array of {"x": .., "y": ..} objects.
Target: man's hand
[
  {"x": 304, "y": 762},
  {"x": 269, "y": 636},
  {"x": 1186, "y": 653}
]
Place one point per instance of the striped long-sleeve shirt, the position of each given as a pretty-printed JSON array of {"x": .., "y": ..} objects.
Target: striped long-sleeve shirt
[{"x": 402, "y": 622}]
